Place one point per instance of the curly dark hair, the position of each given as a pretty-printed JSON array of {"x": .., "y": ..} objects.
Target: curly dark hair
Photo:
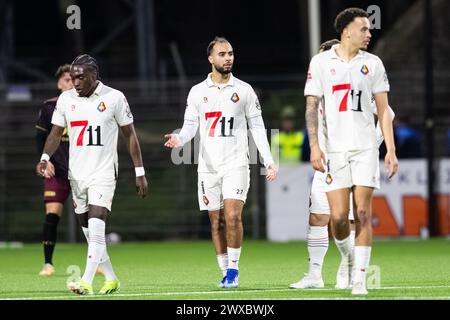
[
  {"x": 328, "y": 44},
  {"x": 344, "y": 18}
]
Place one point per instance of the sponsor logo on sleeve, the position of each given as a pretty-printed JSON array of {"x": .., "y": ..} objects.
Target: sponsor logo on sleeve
[
  {"x": 257, "y": 104},
  {"x": 128, "y": 112},
  {"x": 309, "y": 76}
]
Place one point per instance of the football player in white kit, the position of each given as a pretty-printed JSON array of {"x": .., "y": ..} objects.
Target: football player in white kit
[
  {"x": 222, "y": 106},
  {"x": 347, "y": 77},
  {"x": 320, "y": 214},
  {"x": 93, "y": 113}
]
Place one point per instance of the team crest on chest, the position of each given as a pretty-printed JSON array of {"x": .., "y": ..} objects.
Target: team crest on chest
[
  {"x": 364, "y": 70},
  {"x": 101, "y": 107},
  {"x": 205, "y": 99},
  {"x": 235, "y": 97}
]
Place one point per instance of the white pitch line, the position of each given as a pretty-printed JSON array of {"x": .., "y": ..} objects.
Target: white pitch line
[
  {"x": 377, "y": 298},
  {"x": 235, "y": 292}
]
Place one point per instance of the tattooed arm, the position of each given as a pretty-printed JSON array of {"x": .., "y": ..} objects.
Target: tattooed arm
[{"x": 312, "y": 123}]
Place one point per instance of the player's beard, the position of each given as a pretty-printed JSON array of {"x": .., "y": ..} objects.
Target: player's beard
[{"x": 223, "y": 71}]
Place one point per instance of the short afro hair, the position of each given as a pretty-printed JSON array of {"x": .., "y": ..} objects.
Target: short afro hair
[{"x": 344, "y": 18}]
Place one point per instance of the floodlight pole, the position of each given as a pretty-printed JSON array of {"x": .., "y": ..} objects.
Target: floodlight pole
[
  {"x": 429, "y": 122},
  {"x": 314, "y": 26},
  {"x": 146, "y": 42}
]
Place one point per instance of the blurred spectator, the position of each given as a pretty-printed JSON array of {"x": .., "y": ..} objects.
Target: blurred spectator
[
  {"x": 408, "y": 139},
  {"x": 288, "y": 144}
]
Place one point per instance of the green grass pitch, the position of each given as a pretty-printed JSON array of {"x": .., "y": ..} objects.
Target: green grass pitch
[{"x": 408, "y": 269}]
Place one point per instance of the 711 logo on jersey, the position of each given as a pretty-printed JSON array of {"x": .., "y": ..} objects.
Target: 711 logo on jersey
[
  {"x": 84, "y": 124},
  {"x": 223, "y": 120},
  {"x": 345, "y": 89}
]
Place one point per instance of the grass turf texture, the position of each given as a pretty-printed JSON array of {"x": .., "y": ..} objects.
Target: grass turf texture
[{"x": 409, "y": 269}]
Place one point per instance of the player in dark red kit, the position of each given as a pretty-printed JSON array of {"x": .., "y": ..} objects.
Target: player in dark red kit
[{"x": 57, "y": 188}]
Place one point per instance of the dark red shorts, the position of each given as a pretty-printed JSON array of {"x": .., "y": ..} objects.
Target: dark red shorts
[{"x": 56, "y": 190}]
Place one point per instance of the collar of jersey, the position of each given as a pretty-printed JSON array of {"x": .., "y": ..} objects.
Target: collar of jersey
[
  {"x": 210, "y": 83},
  {"x": 97, "y": 90},
  {"x": 335, "y": 56}
]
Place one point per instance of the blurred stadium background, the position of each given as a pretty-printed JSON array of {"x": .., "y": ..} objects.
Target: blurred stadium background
[{"x": 154, "y": 51}]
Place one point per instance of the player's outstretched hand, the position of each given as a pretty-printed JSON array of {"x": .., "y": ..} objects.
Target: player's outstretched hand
[
  {"x": 317, "y": 158},
  {"x": 391, "y": 164},
  {"x": 172, "y": 141},
  {"x": 272, "y": 172},
  {"x": 141, "y": 186}
]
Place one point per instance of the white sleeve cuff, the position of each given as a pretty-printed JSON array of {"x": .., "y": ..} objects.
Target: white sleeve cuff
[{"x": 187, "y": 132}]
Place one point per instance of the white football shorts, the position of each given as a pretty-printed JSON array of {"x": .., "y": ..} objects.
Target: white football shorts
[
  {"x": 318, "y": 202},
  {"x": 213, "y": 188},
  {"x": 352, "y": 168},
  {"x": 92, "y": 192}
]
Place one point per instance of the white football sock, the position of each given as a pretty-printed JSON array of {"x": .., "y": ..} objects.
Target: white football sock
[
  {"x": 96, "y": 248},
  {"x": 352, "y": 239},
  {"x": 107, "y": 267},
  {"x": 222, "y": 260},
  {"x": 105, "y": 263},
  {"x": 362, "y": 259},
  {"x": 86, "y": 233},
  {"x": 233, "y": 257},
  {"x": 317, "y": 248},
  {"x": 344, "y": 247}
]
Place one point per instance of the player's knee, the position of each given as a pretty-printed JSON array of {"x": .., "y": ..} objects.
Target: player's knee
[
  {"x": 234, "y": 221},
  {"x": 340, "y": 222},
  {"x": 221, "y": 224},
  {"x": 363, "y": 215},
  {"x": 318, "y": 220},
  {"x": 54, "y": 208},
  {"x": 83, "y": 219},
  {"x": 97, "y": 212},
  {"x": 216, "y": 226}
]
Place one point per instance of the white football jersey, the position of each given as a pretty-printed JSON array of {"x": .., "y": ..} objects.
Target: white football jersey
[
  {"x": 222, "y": 111},
  {"x": 347, "y": 88},
  {"x": 322, "y": 132},
  {"x": 92, "y": 124}
]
